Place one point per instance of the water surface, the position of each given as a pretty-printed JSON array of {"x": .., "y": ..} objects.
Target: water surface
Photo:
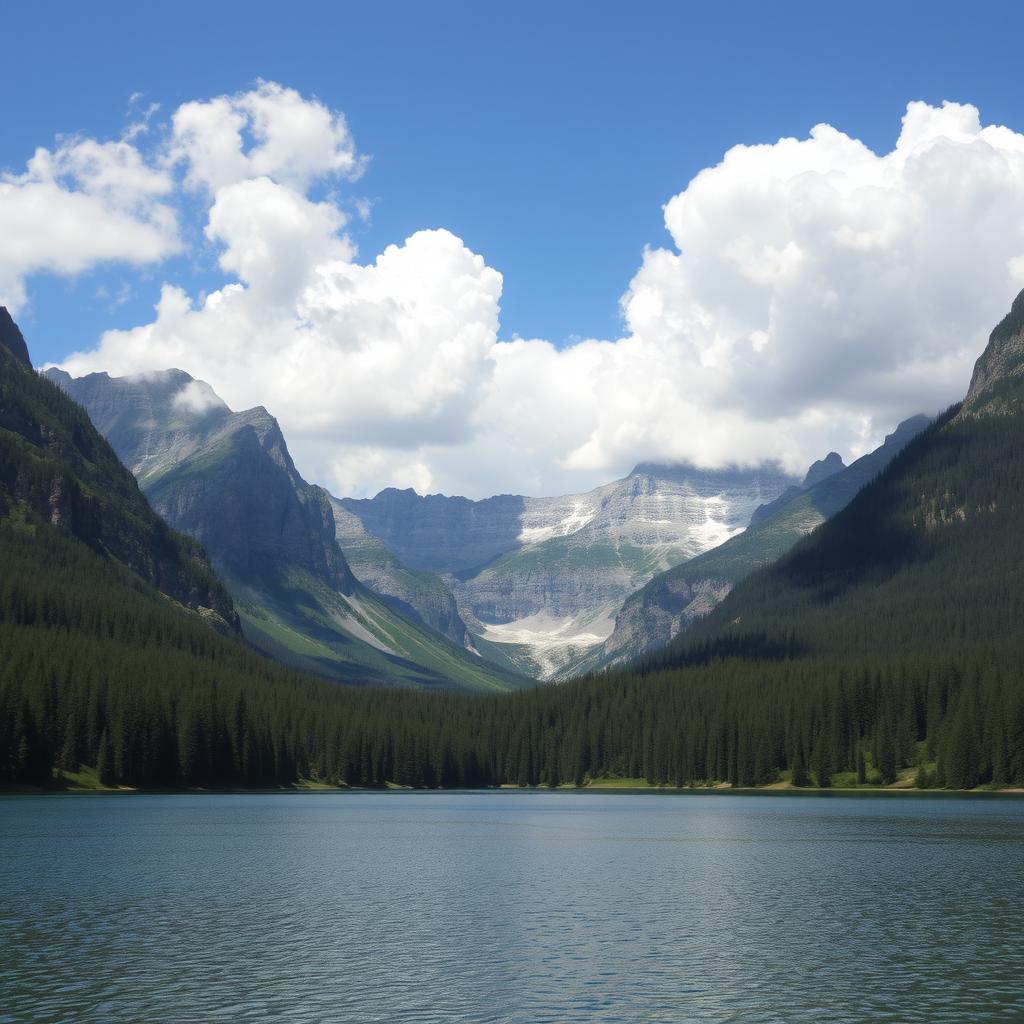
[{"x": 510, "y": 907}]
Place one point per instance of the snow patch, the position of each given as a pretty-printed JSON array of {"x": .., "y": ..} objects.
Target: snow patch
[
  {"x": 553, "y": 642},
  {"x": 580, "y": 513}
]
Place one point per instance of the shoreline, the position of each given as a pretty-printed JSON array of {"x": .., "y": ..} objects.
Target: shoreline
[{"x": 761, "y": 791}]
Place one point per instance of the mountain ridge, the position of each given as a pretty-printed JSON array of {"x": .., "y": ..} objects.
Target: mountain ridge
[
  {"x": 228, "y": 478},
  {"x": 655, "y": 614},
  {"x": 538, "y": 580}
]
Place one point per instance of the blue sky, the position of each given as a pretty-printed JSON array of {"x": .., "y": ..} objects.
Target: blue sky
[
  {"x": 786, "y": 302},
  {"x": 546, "y": 135}
]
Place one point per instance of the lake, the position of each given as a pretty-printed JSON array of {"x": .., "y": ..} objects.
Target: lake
[{"x": 511, "y": 907}]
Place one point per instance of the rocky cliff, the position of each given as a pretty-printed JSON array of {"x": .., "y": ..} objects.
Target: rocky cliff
[
  {"x": 11, "y": 338},
  {"x": 416, "y": 592},
  {"x": 539, "y": 580},
  {"x": 995, "y": 386},
  {"x": 56, "y": 467},
  {"x": 225, "y": 478}
]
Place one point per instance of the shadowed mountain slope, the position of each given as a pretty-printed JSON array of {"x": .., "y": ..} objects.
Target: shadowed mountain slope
[
  {"x": 228, "y": 479},
  {"x": 927, "y": 558},
  {"x": 652, "y": 616}
]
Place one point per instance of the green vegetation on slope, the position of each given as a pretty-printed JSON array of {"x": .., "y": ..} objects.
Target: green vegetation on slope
[
  {"x": 302, "y": 622},
  {"x": 55, "y": 465},
  {"x": 652, "y": 616},
  {"x": 228, "y": 480}
]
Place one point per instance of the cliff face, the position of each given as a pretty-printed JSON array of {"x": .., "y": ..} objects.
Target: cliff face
[
  {"x": 228, "y": 479},
  {"x": 415, "y": 592},
  {"x": 997, "y": 386},
  {"x": 539, "y": 580},
  {"x": 11, "y": 338},
  {"x": 437, "y": 533},
  {"x": 655, "y": 614}
]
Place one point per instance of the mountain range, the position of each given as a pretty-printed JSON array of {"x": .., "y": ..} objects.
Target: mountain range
[
  {"x": 538, "y": 581},
  {"x": 657, "y": 612},
  {"x": 883, "y": 642},
  {"x": 227, "y": 479},
  {"x": 435, "y": 590},
  {"x": 521, "y": 586}
]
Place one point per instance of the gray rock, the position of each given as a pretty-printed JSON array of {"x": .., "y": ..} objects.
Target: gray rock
[
  {"x": 539, "y": 580},
  {"x": 995, "y": 384}
]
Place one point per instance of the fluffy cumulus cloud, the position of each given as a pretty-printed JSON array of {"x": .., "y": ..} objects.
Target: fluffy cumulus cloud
[
  {"x": 815, "y": 292},
  {"x": 78, "y": 205}
]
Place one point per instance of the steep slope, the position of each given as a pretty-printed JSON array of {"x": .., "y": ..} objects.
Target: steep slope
[
  {"x": 652, "y": 616},
  {"x": 539, "y": 580},
  {"x": 55, "y": 468},
  {"x": 421, "y": 595},
  {"x": 927, "y": 558},
  {"x": 158, "y": 422},
  {"x": 99, "y": 603},
  {"x": 227, "y": 478},
  {"x": 11, "y": 338},
  {"x": 996, "y": 385}
]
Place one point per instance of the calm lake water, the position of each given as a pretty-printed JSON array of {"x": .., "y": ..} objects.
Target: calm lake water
[{"x": 515, "y": 907}]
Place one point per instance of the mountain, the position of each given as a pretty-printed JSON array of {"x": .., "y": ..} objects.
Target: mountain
[
  {"x": 884, "y": 648},
  {"x": 11, "y": 338},
  {"x": 538, "y": 580},
  {"x": 421, "y": 595},
  {"x": 228, "y": 479},
  {"x": 996, "y": 385},
  {"x": 110, "y": 622},
  {"x": 927, "y": 558},
  {"x": 56, "y": 469},
  {"x": 652, "y": 616}
]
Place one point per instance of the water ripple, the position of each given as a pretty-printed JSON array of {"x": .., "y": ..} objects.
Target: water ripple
[{"x": 510, "y": 909}]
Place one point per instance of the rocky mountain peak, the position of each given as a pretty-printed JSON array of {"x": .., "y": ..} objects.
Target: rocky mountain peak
[
  {"x": 11, "y": 338},
  {"x": 823, "y": 468},
  {"x": 907, "y": 430},
  {"x": 996, "y": 385}
]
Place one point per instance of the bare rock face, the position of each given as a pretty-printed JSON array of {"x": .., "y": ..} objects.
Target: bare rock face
[
  {"x": 997, "y": 385},
  {"x": 222, "y": 477},
  {"x": 416, "y": 592},
  {"x": 228, "y": 479},
  {"x": 62, "y": 470},
  {"x": 539, "y": 580},
  {"x": 824, "y": 468}
]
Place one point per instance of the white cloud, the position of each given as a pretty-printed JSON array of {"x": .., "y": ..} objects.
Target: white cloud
[
  {"x": 269, "y": 131},
  {"x": 197, "y": 397},
  {"x": 78, "y": 205},
  {"x": 815, "y": 293}
]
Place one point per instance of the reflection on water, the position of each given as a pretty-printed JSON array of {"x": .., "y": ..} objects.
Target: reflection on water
[{"x": 510, "y": 907}]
